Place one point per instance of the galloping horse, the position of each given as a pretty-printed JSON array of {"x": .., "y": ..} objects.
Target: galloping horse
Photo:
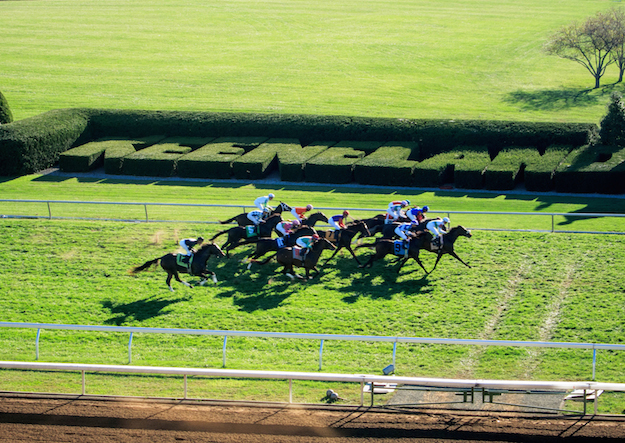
[
  {"x": 238, "y": 233},
  {"x": 386, "y": 246},
  {"x": 345, "y": 237},
  {"x": 388, "y": 230},
  {"x": 286, "y": 259},
  {"x": 198, "y": 265},
  {"x": 265, "y": 245},
  {"x": 242, "y": 219},
  {"x": 378, "y": 223},
  {"x": 314, "y": 218}
]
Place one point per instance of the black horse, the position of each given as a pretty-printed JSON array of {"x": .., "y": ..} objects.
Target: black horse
[
  {"x": 388, "y": 230},
  {"x": 265, "y": 245},
  {"x": 314, "y": 218},
  {"x": 345, "y": 237},
  {"x": 238, "y": 234},
  {"x": 285, "y": 257},
  {"x": 170, "y": 264},
  {"x": 384, "y": 247},
  {"x": 378, "y": 223},
  {"x": 242, "y": 219}
]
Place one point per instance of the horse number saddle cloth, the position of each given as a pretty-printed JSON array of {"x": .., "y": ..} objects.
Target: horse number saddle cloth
[
  {"x": 184, "y": 260},
  {"x": 280, "y": 242},
  {"x": 251, "y": 231},
  {"x": 398, "y": 247},
  {"x": 298, "y": 253},
  {"x": 333, "y": 236}
]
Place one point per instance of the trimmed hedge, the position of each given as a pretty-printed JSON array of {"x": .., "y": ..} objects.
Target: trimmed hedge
[
  {"x": 84, "y": 157},
  {"x": 592, "y": 168},
  {"x": 214, "y": 160},
  {"x": 506, "y": 170},
  {"x": 262, "y": 160},
  {"x": 469, "y": 166},
  {"x": 5, "y": 112},
  {"x": 292, "y": 162},
  {"x": 336, "y": 164},
  {"x": 117, "y": 150},
  {"x": 388, "y": 165},
  {"x": 35, "y": 143},
  {"x": 160, "y": 160},
  {"x": 440, "y": 169},
  {"x": 538, "y": 175}
]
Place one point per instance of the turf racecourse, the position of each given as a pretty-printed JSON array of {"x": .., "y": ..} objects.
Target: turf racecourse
[
  {"x": 391, "y": 58},
  {"x": 522, "y": 286}
]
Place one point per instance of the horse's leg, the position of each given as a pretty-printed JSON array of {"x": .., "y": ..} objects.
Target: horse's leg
[
  {"x": 453, "y": 254},
  {"x": 169, "y": 276},
  {"x": 402, "y": 263},
  {"x": 349, "y": 248},
  {"x": 332, "y": 256},
  {"x": 177, "y": 277},
  {"x": 438, "y": 258}
]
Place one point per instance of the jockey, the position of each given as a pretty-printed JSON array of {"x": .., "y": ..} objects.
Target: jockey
[
  {"x": 306, "y": 243},
  {"x": 262, "y": 203},
  {"x": 417, "y": 214},
  {"x": 336, "y": 221},
  {"x": 438, "y": 227},
  {"x": 255, "y": 216},
  {"x": 394, "y": 210},
  {"x": 301, "y": 210},
  {"x": 188, "y": 244},
  {"x": 287, "y": 227},
  {"x": 401, "y": 231}
]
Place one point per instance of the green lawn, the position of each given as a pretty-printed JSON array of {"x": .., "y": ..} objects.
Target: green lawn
[
  {"x": 522, "y": 286},
  {"x": 412, "y": 59}
]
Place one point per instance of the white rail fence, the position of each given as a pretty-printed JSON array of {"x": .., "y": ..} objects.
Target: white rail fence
[
  {"x": 147, "y": 218},
  {"x": 362, "y": 379},
  {"x": 321, "y": 337}
]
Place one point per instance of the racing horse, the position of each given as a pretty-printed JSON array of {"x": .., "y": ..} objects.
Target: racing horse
[
  {"x": 265, "y": 245},
  {"x": 384, "y": 247},
  {"x": 238, "y": 234},
  {"x": 285, "y": 257},
  {"x": 242, "y": 219},
  {"x": 345, "y": 237},
  {"x": 378, "y": 223},
  {"x": 170, "y": 264}
]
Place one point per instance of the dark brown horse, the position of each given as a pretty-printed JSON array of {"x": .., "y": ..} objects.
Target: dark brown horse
[
  {"x": 285, "y": 257},
  {"x": 265, "y": 245},
  {"x": 238, "y": 234},
  {"x": 345, "y": 237},
  {"x": 198, "y": 265},
  {"x": 242, "y": 219},
  {"x": 384, "y": 247}
]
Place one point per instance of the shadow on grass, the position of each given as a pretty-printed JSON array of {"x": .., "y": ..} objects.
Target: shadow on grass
[
  {"x": 555, "y": 99},
  {"x": 139, "y": 310}
]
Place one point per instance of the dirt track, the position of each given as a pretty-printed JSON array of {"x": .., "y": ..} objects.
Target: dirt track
[{"x": 72, "y": 420}]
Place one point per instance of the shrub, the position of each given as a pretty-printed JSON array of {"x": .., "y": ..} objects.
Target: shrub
[
  {"x": 538, "y": 175},
  {"x": 470, "y": 161},
  {"x": 214, "y": 160},
  {"x": 118, "y": 149},
  {"x": 592, "y": 168},
  {"x": 262, "y": 160},
  {"x": 292, "y": 161},
  {"x": 5, "y": 112},
  {"x": 388, "y": 165},
  {"x": 336, "y": 164},
  {"x": 506, "y": 170},
  {"x": 35, "y": 143},
  {"x": 84, "y": 157},
  {"x": 159, "y": 160},
  {"x": 612, "y": 126}
]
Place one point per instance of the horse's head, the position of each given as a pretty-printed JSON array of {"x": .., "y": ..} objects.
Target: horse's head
[
  {"x": 461, "y": 230},
  {"x": 324, "y": 243},
  {"x": 210, "y": 248},
  {"x": 320, "y": 217},
  {"x": 363, "y": 228}
]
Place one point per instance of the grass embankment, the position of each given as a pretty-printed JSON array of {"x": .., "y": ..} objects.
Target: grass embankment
[
  {"x": 388, "y": 58},
  {"x": 523, "y": 286}
]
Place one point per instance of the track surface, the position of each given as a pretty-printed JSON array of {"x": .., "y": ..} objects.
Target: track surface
[{"x": 73, "y": 420}]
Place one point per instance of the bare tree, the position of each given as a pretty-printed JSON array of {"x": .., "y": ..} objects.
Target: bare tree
[{"x": 589, "y": 43}]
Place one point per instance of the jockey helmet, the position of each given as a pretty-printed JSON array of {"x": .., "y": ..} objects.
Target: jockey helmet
[
  {"x": 426, "y": 208},
  {"x": 271, "y": 196},
  {"x": 309, "y": 207},
  {"x": 405, "y": 203},
  {"x": 316, "y": 236},
  {"x": 345, "y": 213},
  {"x": 200, "y": 239},
  {"x": 446, "y": 219},
  {"x": 295, "y": 222}
]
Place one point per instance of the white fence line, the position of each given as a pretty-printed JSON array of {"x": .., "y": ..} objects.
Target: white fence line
[
  {"x": 322, "y": 337},
  {"x": 512, "y": 385},
  {"x": 147, "y": 219}
]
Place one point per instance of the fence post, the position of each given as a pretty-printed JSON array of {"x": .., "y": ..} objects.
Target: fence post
[
  {"x": 37, "y": 344},
  {"x": 394, "y": 352},
  {"x": 224, "y": 351},
  {"x": 49, "y": 211},
  {"x": 553, "y": 224},
  {"x": 321, "y": 354},
  {"x": 290, "y": 390},
  {"x": 185, "y": 386},
  {"x": 83, "y": 382},
  {"x": 130, "y": 349},
  {"x": 146, "y": 213},
  {"x": 594, "y": 362}
]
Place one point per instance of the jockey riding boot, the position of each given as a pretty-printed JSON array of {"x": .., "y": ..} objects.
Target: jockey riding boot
[{"x": 406, "y": 247}]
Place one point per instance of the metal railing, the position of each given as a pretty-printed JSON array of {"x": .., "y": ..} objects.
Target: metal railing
[
  {"x": 362, "y": 379},
  {"x": 321, "y": 337},
  {"x": 147, "y": 218}
]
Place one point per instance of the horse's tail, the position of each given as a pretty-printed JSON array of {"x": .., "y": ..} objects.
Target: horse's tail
[
  {"x": 145, "y": 265},
  {"x": 227, "y": 221},
  {"x": 264, "y": 262},
  {"x": 366, "y": 245},
  {"x": 219, "y": 233}
]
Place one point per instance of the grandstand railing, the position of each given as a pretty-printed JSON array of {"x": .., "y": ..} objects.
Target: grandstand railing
[
  {"x": 146, "y": 216},
  {"x": 307, "y": 336}
]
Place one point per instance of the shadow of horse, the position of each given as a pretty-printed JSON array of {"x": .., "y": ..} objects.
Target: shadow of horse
[{"x": 139, "y": 310}]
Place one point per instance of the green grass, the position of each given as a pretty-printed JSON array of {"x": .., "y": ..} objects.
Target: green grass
[
  {"x": 411, "y": 59},
  {"x": 523, "y": 286}
]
